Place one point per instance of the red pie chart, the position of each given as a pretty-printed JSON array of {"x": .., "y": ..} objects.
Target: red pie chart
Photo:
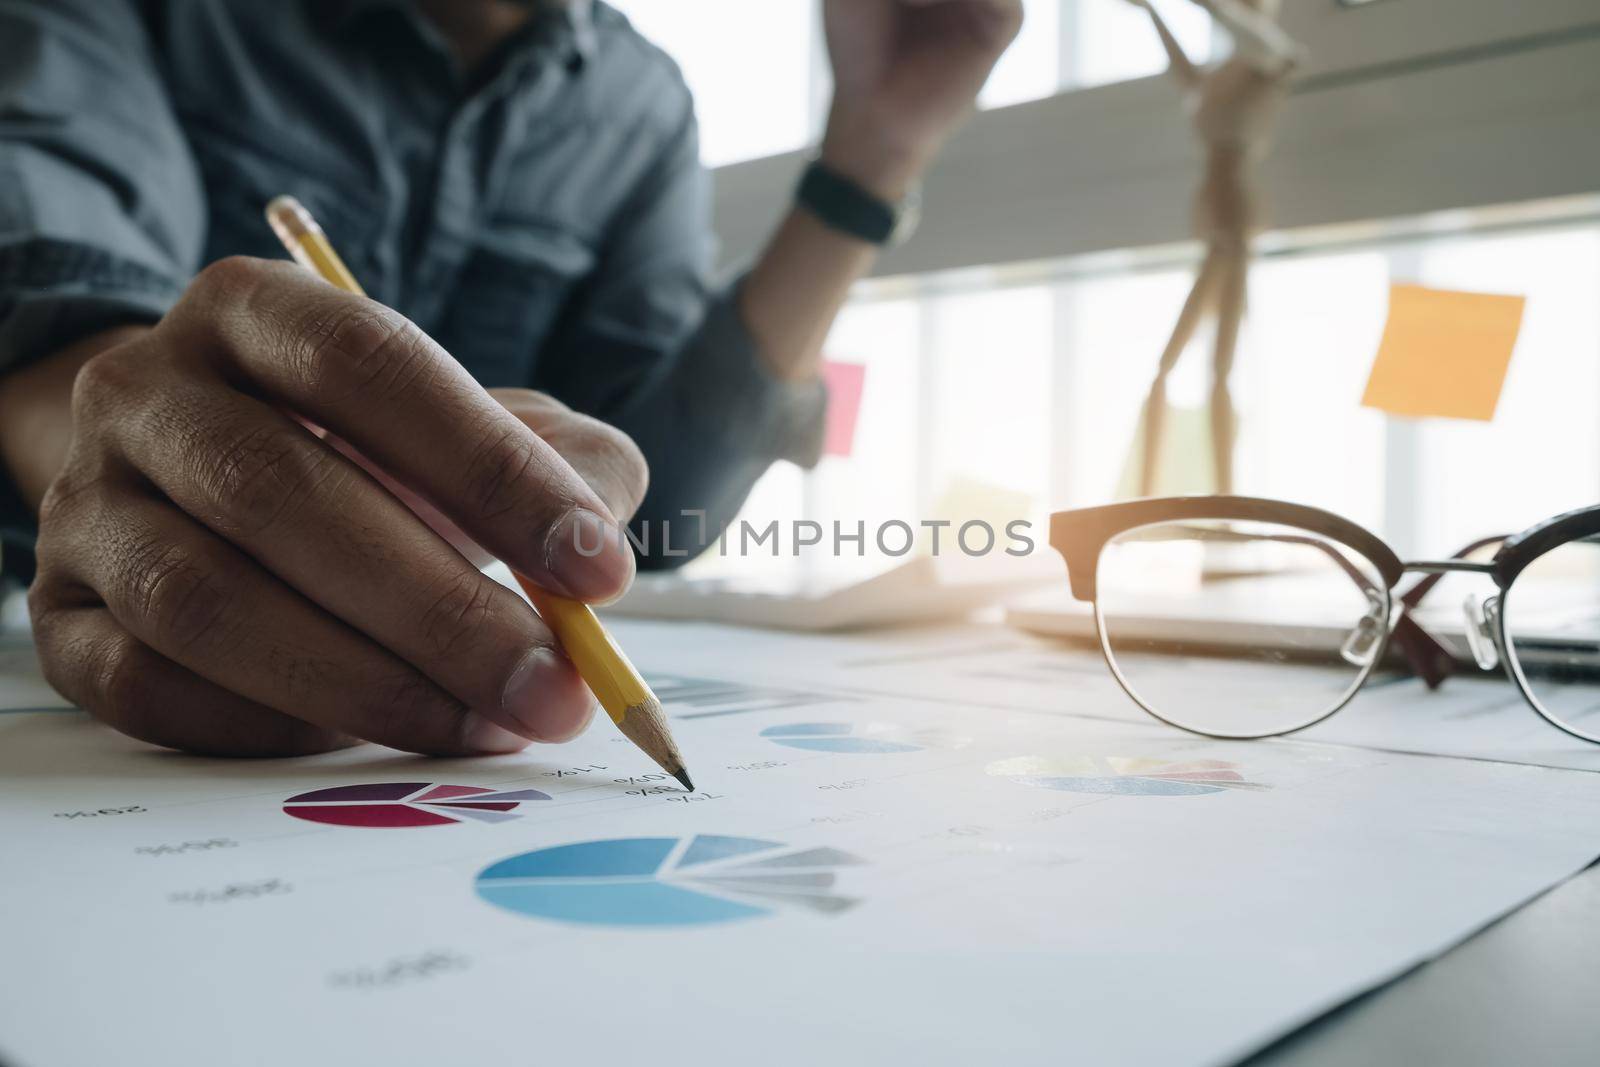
[{"x": 393, "y": 804}]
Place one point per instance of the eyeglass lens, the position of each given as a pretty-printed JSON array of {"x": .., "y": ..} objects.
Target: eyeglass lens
[
  {"x": 1239, "y": 629},
  {"x": 1551, "y": 618}
]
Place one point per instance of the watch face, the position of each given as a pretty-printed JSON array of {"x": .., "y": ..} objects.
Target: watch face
[{"x": 907, "y": 216}]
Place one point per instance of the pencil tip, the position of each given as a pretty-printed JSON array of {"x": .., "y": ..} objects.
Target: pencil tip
[{"x": 683, "y": 776}]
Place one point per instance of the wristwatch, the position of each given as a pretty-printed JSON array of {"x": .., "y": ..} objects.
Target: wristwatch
[{"x": 843, "y": 205}]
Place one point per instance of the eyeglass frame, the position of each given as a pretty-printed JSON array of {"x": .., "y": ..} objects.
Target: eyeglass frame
[{"x": 1081, "y": 535}]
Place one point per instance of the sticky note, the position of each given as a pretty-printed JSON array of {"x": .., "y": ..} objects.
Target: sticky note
[
  {"x": 1185, "y": 465},
  {"x": 1444, "y": 353},
  {"x": 844, "y": 382}
]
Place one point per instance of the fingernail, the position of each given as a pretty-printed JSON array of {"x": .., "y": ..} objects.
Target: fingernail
[
  {"x": 588, "y": 556},
  {"x": 481, "y": 735},
  {"x": 542, "y": 695}
]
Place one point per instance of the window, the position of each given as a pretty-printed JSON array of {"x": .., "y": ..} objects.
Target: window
[
  {"x": 1031, "y": 67},
  {"x": 728, "y": 48},
  {"x": 985, "y": 392},
  {"x": 1310, "y": 335},
  {"x": 1115, "y": 41},
  {"x": 990, "y": 351},
  {"x": 1541, "y": 454}
]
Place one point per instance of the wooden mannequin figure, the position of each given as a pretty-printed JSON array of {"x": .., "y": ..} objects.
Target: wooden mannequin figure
[{"x": 1234, "y": 105}]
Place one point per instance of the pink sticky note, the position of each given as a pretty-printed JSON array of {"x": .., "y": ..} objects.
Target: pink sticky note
[{"x": 844, "y": 382}]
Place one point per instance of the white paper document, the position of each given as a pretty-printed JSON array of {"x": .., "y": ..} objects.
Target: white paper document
[
  {"x": 1476, "y": 716},
  {"x": 863, "y": 878}
]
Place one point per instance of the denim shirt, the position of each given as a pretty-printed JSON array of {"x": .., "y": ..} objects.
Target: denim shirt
[{"x": 546, "y": 220}]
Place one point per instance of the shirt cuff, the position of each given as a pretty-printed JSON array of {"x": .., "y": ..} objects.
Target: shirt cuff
[
  {"x": 53, "y": 293},
  {"x": 759, "y": 412},
  {"x": 18, "y": 531}
]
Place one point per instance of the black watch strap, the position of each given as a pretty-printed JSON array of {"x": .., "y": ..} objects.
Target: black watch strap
[{"x": 845, "y": 206}]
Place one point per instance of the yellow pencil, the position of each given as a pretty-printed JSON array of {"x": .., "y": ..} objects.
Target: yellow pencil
[{"x": 615, "y": 683}]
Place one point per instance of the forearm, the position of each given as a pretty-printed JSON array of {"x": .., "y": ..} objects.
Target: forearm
[
  {"x": 710, "y": 429},
  {"x": 796, "y": 288},
  {"x": 906, "y": 73},
  {"x": 36, "y": 413}
]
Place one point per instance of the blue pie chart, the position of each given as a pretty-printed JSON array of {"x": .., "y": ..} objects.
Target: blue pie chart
[
  {"x": 841, "y": 737},
  {"x": 665, "y": 881}
]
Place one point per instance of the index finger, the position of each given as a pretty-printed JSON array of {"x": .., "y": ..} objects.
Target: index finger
[{"x": 370, "y": 375}]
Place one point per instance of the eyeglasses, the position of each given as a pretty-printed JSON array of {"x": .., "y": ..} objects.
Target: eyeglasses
[{"x": 1303, "y": 604}]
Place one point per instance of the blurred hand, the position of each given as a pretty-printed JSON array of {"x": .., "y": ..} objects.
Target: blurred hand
[
  {"x": 906, "y": 72},
  {"x": 214, "y": 577}
]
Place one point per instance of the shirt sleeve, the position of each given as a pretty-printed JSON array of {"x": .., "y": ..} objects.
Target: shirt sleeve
[
  {"x": 651, "y": 346},
  {"x": 101, "y": 208}
]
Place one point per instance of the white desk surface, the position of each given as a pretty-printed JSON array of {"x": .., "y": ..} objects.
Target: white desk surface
[{"x": 1521, "y": 991}]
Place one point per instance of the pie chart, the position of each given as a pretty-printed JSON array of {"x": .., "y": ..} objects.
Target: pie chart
[
  {"x": 1125, "y": 776},
  {"x": 666, "y": 881},
  {"x": 394, "y": 804},
  {"x": 876, "y": 738}
]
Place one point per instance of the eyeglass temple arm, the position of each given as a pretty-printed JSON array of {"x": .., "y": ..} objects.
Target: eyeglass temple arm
[
  {"x": 1427, "y": 657},
  {"x": 1424, "y": 653}
]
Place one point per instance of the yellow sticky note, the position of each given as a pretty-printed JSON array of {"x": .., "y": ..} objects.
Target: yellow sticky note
[
  {"x": 1185, "y": 466},
  {"x": 1444, "y": 353}
]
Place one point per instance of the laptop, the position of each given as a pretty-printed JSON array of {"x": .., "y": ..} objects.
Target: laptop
[{"x": 1287, "y": 613}]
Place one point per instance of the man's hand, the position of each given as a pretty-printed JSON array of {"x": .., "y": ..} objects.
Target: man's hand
[
  {"x": 905, "y": 73},
  {"x": 214, "y": 577}
]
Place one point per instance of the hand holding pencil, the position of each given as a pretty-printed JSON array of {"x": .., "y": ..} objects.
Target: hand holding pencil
[
  {"x": 604, "y": 667},
  {"x": 213, "y": 578}
]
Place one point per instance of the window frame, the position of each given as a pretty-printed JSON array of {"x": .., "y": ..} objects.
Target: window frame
[{"x": 1405, "y": 108}]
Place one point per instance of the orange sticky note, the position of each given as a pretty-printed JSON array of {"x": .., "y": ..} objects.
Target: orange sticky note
[
  {"x": 1444, "y": 353},
  {"x": 844, "y": 382}
]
